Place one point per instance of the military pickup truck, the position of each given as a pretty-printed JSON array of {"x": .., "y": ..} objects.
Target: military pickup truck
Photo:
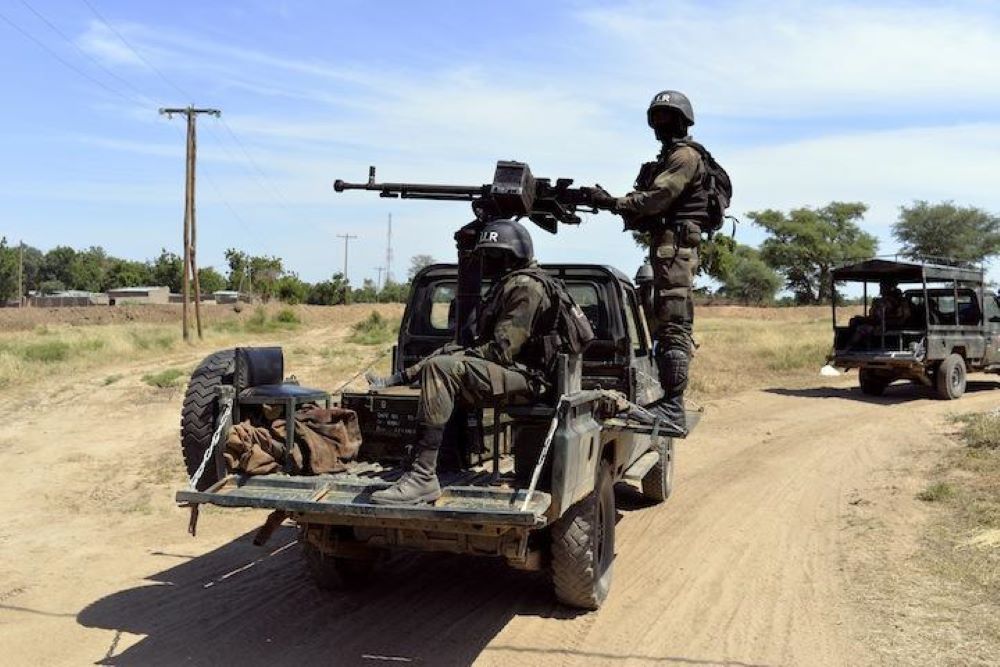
[
  {"x": 532, "y": 483},
  {"x": 951, "y": 325}
]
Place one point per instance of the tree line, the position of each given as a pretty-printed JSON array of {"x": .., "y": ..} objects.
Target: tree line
[
  {"x": 265, "y": 277},
  {"x": 803, "y": 246}
]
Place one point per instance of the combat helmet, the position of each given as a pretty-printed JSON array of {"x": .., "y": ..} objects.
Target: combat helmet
[
  {"x": 671, "y": 99},
  {"x": 508, "y": 236}
]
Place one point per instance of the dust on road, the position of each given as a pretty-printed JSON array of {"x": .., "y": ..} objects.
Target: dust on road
[{"x": 754, "y": 560}]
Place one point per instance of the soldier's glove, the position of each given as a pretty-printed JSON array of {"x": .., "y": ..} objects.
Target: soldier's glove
[
  {"x": 383, "y": 381},
  {"x": 601, "y": 198}
]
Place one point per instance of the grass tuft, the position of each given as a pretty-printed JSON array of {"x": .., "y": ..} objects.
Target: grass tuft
[
  {"x": 936, "y": 492},
  {"x": 373, "y": 330},
  {"x": 165, "y": 379},
  {"x": 48, "y": 352},
  {"x": 980, "y": 431}
]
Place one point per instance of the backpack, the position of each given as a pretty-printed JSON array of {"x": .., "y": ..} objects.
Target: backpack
[
  {"x": 717, "y": 184},
  {"x": 571, "y": 330}
]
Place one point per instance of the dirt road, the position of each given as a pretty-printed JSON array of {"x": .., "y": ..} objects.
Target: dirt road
[{"x": 760, "y": 557}]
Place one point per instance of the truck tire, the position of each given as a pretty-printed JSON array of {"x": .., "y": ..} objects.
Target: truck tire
[
  {"x": 950, "y": 378},
  {"x": 872, "y": 383},
  {"x": 336, "y": 573},
  {"x": 659, "y": 481},
  {"x": 583, "y": 546},
  {"x": 200, "y": 410}
]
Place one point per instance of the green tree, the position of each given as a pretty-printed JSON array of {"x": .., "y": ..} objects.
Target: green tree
[
  {"x": 210, "y": 281},
  {"x": 418, "y": 263},
  {"x": 806, "y": 243},
  {"x": 367, "y": 294},
  {"x": 168, "y": 270},
  {"x": 87, "y": 269},
  {"x": 126, "y": 273},
  {"x": 265, "y": 272},
  {"x": 394, "y": 292},
  {"x": 34, "y": 260},
  {"x": 58, "y": 265},
  {"x": 328, "y": 292},
  {"x": 750, "y": 279},
  {"x": 239, "y": 264},
  {"x": 946, "y": 231},
  {"x": 292, "y": 289},
  {"x": 9, "y": 261}
]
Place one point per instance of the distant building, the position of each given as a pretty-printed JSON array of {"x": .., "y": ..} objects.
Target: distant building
[
  {"x": 138, "y": 295},
  {"x": 68, "y": 298}
]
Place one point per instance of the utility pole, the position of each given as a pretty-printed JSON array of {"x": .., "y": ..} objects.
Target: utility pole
[
  {"x": 347, "y": 288},
  {"x": 388, "y": 253},
  {"x": 190, "y": 231}
]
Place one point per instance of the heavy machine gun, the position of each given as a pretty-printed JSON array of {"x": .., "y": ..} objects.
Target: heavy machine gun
[{"x": 514, "y": 193}]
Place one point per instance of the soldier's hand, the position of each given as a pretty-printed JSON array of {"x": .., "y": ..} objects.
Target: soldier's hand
[
  {"x": 383, "y": 381},
  {"x": 601, "y": 198}
]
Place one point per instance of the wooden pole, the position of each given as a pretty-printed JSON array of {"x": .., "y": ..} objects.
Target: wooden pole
[
  {"x": 194, "y": 234},
  {"x": 190, "y": 262},
  {"x": 20, "y": 276}
]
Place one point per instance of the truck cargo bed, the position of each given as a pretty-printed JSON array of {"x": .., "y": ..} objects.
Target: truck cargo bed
[{"x": 467, "y": 497}]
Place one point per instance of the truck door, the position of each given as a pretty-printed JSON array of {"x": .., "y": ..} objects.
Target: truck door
[{"x": 991, "y": 323}]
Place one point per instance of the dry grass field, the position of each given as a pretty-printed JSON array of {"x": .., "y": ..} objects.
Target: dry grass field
[{"x": 810, "y": 525}]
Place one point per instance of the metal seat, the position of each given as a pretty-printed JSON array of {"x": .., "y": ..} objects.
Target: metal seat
[{"x": 259, "y": 379}]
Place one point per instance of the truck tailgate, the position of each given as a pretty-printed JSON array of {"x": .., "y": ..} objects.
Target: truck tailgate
[{"x": 345, "y": 495}]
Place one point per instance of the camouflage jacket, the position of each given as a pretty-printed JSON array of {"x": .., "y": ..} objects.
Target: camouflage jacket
[
  {"x": 510, "y": 325},
  {"x": 668, "y": 187}
]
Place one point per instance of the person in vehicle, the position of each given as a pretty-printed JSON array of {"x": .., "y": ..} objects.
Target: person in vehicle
[
  {"x": 505, "y": 362},
  {"x": 890, "y": 309}
]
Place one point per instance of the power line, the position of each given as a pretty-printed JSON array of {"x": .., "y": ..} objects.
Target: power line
[
  {"x": 86, "y": 55},
  {"x": 253, "y": 162},
  {"x": 131, "y": 48},
  {"x": 65, "y": 62}
]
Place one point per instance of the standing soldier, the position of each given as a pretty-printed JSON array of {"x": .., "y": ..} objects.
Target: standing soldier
[
  {"x": 670, "y": 203},
  {"x": 507, "y": 360}
]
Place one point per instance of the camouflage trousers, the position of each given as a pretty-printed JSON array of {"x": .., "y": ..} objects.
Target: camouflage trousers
[
  {"x": 674, "y": 257},
  {"x": 450, "y": 379}
]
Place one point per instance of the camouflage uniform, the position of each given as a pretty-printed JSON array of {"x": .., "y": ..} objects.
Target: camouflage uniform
[
  {"x": 504, "y": 363},
  {"x": 669, "y": 202}
]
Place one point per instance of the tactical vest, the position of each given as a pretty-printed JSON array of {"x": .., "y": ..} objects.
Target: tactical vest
[
  {"x": 563, "y": 327},
  {"x": 691, "y": 204}
]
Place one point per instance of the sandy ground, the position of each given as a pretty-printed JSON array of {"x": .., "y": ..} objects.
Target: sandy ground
[{"x": 763, "y": 556}]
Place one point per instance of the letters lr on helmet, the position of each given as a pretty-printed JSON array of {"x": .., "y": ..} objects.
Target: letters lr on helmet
[
  {"x": 673, "y": 100},
  {"x": 507, "y": 236}
]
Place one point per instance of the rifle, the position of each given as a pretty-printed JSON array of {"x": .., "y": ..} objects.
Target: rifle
[{"x": 514, "y": 193}]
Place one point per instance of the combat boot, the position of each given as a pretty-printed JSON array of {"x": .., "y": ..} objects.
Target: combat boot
[
  {"x": 419, "y": 484},
  {"x": 673, "y": 369}
]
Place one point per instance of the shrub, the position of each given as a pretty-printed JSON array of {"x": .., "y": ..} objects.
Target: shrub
[
  {"x": 170, "y": 377},
  {"x": 373, "y": 330},
  {"x": 47, "y": 352}
]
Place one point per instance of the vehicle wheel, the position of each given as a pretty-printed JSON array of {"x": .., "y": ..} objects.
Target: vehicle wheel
[
  {"x": 200, "y": 410},
  {"x": 335, "y": 573},
  {"x": 950, "y": 377},
  {"x": 872, "y": 383},
  {"x": 583, "y": 546},
  {"x": 659, "y": 481}
]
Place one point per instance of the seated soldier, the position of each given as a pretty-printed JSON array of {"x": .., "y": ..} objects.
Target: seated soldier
[
  {"x": 890, "y": 310},
  {"x": 506, "y": 361}
]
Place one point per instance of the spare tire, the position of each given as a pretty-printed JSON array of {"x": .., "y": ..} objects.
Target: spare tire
[{"x": 201, "y": 410}]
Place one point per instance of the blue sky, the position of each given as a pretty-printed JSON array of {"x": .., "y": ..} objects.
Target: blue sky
[{"x": 803, "y": 102}]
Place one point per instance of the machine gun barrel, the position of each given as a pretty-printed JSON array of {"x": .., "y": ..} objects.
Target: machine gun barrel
[{"x": 416, "y": 190}]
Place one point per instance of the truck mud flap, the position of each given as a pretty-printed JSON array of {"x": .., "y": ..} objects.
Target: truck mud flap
[{"x": 333, "y": 496}]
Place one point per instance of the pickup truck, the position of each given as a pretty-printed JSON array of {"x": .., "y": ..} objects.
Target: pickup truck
[
  {"x": 533, "y": 484},
  {"x": 952, "y": 327}
]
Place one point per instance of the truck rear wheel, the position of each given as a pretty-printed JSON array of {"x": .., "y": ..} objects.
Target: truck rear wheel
[
  {"x": 659, "y": 481},
  {"x": 583, "y": 546},
  {"x": 950, "y": 379},
  {"x": 872, "y": 383},
  {"x": 336, "y": 573},
  {"x": 200, "y": 410}
]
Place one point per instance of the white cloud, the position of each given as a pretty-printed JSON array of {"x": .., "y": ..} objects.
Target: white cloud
[{"x": 104, "y": 45}]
